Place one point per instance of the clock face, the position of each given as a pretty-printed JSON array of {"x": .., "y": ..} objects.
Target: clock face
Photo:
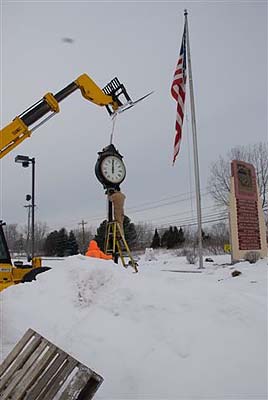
[
  {"x": 244, "y": 178},
  {"x": 113, "y": 169}
]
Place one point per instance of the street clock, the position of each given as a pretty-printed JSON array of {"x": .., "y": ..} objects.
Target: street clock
[{"x": 110, "y": 169}]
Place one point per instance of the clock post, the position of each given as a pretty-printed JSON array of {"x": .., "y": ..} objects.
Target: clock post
[
  {"x": 110, "y": 171},
  {"x": 110, "y": 211}
]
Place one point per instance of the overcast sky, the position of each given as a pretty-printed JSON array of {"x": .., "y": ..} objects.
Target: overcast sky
[{"x": 139, "y": 43}]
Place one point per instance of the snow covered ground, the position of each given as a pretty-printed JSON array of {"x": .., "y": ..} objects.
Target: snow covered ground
[{"x": 153, "y": 335}]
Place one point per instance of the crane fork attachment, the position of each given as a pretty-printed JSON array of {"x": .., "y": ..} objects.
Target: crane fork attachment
[{"x": 115, "y": 89}]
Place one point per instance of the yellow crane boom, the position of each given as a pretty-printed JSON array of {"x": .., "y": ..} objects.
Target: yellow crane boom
[{"x": 19, "y": 129}]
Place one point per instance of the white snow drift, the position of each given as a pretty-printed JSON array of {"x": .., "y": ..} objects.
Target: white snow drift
[{"x": 158, "y": 334}]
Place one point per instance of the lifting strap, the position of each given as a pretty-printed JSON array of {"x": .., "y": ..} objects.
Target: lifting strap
[{"x": 113, "y": 126}]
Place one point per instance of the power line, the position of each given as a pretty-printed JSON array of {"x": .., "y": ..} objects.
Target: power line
[
  {"x": 207, "y": 218},
  {"x": 183, "y": 213},
  {"x": 195, "y": 223},
  {"x": 187, "y": 221},
  {"x": 205, "y": 192},
  {"x": 165, "y": 226},
  {"x": 159, "y": 205},
  {"x": 137, "y": 209}
]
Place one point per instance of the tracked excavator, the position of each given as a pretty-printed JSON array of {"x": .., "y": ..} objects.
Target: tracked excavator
[{"x": 113, "y": 96}]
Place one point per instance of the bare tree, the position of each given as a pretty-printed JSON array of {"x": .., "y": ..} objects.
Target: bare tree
[
  {"x": 83, "y": 238},
  {"x": 220, "y": 171},
  {"x": 145, "y": 232},
  {"x": 40, "y": 232},
  {"x": 218, "y": 237},
  {"x": 12, "y": 235}
]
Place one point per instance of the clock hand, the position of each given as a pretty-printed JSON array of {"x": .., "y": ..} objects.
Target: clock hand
[{"x": 112, "y": 166}]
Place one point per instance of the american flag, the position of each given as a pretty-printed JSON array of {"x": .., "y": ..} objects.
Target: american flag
[{"x": 178, "y": 93}]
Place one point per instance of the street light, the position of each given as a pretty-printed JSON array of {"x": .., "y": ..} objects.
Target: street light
[
  {"x": 28, "y": 198},
  {"x": 26, "y": 161}
]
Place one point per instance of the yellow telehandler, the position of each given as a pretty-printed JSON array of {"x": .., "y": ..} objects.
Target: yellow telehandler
[{"x": 19, "y": 129}]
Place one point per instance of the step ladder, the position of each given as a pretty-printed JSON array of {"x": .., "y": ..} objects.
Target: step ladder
[{"x": 116, "y": 244}]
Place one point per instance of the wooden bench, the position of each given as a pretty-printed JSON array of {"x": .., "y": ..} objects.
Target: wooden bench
[{"x": 38, "y": 370}]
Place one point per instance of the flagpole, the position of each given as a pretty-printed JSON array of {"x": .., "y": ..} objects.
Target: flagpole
[{"x": 196, "y": 163}]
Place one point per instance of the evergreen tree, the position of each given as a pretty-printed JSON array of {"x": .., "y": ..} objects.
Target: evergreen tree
[
  {"x": 101, "y": 234},
  {"x": 61, "y": 243},
  {"x": 156, "y": 240},
  {"x": 50, "y": 244},
  {"x": 181, "y": 238},
  {"x": 205, "y": 237},
  {"x": 170, "y": 238},
  {"x": 176, "y": 237},
  {"x": 164, "y": 239},
  {"x": 130, "y": 232},
  {"x": 72, "y": 246}
]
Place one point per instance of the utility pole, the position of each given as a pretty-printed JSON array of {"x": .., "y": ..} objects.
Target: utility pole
[{"x": 83, "y": 223}]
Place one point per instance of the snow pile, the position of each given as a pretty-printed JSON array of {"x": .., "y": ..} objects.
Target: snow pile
[{"x": 158, "y": 334}]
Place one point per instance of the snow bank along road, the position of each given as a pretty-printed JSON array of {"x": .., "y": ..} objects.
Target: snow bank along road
[{"x": 152, "y": 335}]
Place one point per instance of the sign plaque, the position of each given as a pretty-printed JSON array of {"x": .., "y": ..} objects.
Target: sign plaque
[{"x": 247, "y": 225}]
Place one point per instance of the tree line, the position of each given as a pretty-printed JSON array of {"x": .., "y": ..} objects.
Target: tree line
[{"x": 60, "y": 243}]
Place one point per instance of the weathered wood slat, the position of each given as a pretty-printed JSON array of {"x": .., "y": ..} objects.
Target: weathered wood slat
[
  {"x": 32, "y": 374},
  {"x": 20, "y": 373},
  {"x": 39, "y": 387},
  {"x": 20, "y": 361},
  {"x": 91, "y": 387},
  {"x": 38, "y": 370},
  {"x": 76, "y": 385},
  {"x": 59, "y": 380},
  {"x": 16, "y": 350}
]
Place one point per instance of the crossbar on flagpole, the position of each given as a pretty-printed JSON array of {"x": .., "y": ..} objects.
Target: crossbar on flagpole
[{"x": 196, "y": 163}]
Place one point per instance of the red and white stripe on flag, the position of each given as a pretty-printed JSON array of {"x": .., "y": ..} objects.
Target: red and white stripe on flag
[{"x": 178, "y": 88}]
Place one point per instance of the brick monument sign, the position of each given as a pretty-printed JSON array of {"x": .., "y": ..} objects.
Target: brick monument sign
[{"x": 247, "y": 225}]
